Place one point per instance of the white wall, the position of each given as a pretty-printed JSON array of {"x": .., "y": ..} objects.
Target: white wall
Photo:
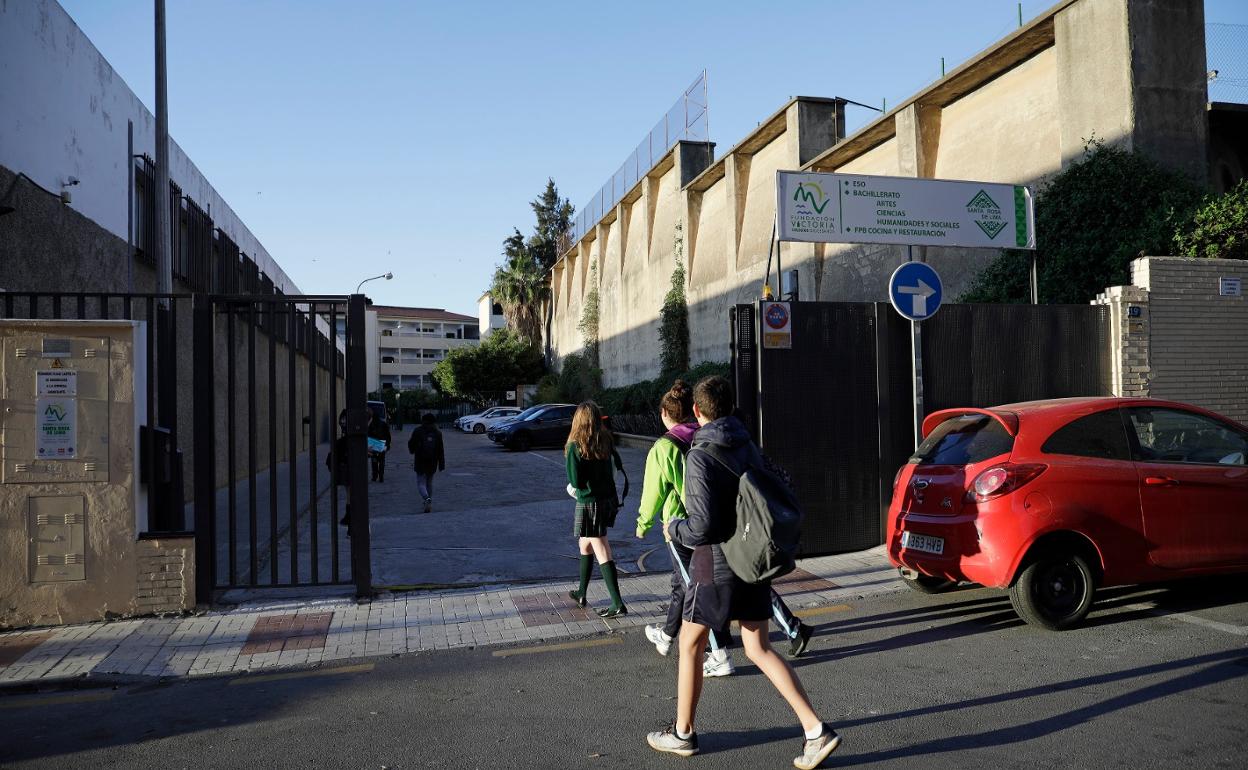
[{"x": 64, "y": 111}]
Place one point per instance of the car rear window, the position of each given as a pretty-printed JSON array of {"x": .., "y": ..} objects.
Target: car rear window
[
  {"x": 1101, "y": 435},
  {"x": 965, "y": 440}
]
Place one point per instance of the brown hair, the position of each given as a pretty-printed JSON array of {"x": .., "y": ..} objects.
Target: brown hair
[
  {"x": 713, "y": 395},
  {"x": 677, "y": 403},
  {"x": 590, "y": 435}
]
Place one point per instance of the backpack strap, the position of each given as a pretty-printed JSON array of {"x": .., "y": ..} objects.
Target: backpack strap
[{"x": 619, "y": 463}]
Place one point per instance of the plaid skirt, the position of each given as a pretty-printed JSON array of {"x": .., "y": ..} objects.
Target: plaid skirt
[{"x": 594, "y": 519}]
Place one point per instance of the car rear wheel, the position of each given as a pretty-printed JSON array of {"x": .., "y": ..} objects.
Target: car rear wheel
[
  {"x": 478, "y": 429},
  {"x": 1055, "y": 591},
  {"x": 925, "y": 584},
  {"x": 522, "y": 442}
]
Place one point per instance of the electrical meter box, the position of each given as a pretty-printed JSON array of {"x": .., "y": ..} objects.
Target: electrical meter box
[{"x": 72, "y": 395}]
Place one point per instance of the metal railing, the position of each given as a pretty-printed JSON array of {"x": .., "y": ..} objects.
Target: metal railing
[
  {"x": 1226, "y": 56},
  {"x": 688, "y": 119}
]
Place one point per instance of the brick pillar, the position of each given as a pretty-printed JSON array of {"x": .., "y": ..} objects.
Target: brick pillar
[{"x": 1131, "y": 365}]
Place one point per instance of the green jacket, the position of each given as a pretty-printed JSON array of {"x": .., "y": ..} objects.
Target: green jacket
[
  {"x": 662, "y": 491},
  {"x": 593, "y": 479}
]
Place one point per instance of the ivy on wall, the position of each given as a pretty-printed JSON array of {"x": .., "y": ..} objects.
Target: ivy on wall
[{"x": 674, "y": 315}]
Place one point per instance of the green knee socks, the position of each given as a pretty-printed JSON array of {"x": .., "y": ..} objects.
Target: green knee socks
[
  {"x": 587, "y": 569},
  {"x": 613, "y": 585}
]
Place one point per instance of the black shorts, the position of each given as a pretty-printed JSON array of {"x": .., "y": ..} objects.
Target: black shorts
[{"x": 714, "y": 604}]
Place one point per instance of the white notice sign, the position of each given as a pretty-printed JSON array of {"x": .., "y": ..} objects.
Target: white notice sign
[
  {"x": 56, "y": 382},
  {"x": 56, "y": 428},
  {"x": 855, "y": 208},
  {"x": 1230, "y": 287}
]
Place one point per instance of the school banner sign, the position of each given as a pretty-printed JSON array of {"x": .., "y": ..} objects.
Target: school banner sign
[{"x": 855, "y": 208}]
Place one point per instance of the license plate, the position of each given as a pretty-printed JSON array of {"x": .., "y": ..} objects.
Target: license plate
[{"x": 926, "y": 543}]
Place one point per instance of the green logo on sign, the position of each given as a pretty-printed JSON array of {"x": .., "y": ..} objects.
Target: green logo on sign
[
  {"x": 55, "y": 411},
  {"x": 986, "y": 213},
  {"x": 802, "y": 195}
]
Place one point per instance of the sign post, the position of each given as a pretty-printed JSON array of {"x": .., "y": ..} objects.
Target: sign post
[
  {"x": 916, "y": 292},
  {"x": 857, "y": 208}
]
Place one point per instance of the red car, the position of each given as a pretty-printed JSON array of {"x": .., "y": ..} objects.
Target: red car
[{"x": 1052, "y": 499}]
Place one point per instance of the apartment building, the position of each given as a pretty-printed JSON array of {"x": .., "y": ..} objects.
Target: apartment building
[{"x": 407, "y": 342}]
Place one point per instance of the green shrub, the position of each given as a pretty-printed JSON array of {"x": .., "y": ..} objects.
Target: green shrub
[
  {"x": 1219, "y": 228},
  {"x": 579, "y": 379},
  {"x": 547, "y": 391},
  {"x": 1092, "y": 219}
]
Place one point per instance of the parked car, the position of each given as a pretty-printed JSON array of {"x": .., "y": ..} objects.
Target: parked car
[
  {"x": 481, "y": 424},
  {"x": 494, "y": 431},
  {"x": 545, "y": 425},
  {"x": 492, "y": 411},
  {"x": 1053, "y": 499}
]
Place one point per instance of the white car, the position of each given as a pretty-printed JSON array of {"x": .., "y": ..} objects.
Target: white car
[{"x": 478, "y": 423}]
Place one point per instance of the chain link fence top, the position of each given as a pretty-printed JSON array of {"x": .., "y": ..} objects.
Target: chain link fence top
[
  {"x": 1226, "y": 54},
  {"x": 687, "y": 120}
]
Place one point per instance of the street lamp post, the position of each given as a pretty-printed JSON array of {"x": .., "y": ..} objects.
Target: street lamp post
[{"x": 387, "y": 276}]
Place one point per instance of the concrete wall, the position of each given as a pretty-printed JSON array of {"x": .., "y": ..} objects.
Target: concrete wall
[
  {"x": 41, "y": 232},
  {"x": 64, "y": 112},
  {"x": 1018, "y": 112}
]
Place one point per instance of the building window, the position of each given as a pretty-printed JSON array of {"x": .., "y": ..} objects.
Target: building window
[{"x": 496, "y": 309}]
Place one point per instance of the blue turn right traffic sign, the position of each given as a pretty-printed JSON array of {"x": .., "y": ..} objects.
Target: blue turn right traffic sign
[{"x": 915, "y": 290}]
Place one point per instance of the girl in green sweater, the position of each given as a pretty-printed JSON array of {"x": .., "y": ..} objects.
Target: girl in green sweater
[{"x": 591, "y": 480}]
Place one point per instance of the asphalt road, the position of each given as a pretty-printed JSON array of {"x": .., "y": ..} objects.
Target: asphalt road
[
  {"x": 499, "y": 516},
  {"x": 953, "y": 681}
]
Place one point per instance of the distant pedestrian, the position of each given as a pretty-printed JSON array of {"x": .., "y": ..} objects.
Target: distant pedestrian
[
  {"x": 590, "y": 454},
  {"x": 721, "y": 451},
  {"x": 398, "y": 419},
  {"x": 378, "y": 430},
  {"x": 339, "y": 467},
  {"x": 428, "y": 455}
]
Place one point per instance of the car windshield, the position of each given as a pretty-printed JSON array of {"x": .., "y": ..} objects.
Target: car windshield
[
  {"x": 964, "y": 440},
  {"x": 531, "y": 411}
]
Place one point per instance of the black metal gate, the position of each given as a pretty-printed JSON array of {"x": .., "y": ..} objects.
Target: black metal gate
[
  {"x": 272, "y": 467},
  {"x": 837, "y": 408}
]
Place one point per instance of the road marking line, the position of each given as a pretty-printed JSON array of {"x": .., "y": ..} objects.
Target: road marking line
[
  {"x": 1225, "y": 628},
  {"x": 816, "y": 611},
  {"x": 558, "y": 647},
  {"x": 544, "y": 457},
  {"x": 359, "y": 668},
  {"x": 56, "y": 700}
]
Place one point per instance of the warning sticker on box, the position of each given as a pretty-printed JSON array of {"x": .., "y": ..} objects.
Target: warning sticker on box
[{"x": 56, "y": 382}]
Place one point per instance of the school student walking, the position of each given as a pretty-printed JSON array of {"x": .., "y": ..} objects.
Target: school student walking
[
  {"x": 721, "y": 451},
  {"x": 428, "y": 456},
  {"x": 661, "y": 499},
  {"x": 589, "y": 455}
]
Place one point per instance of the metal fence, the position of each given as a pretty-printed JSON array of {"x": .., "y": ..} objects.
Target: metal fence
[
  {"x": 688, "y": 119},
  {"x": 1226, "y": 54}
]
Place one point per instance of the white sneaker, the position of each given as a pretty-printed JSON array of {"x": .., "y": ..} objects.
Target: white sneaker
[
  {"x": 718, "y": 663},
  {"x": 661, "y": 641}
]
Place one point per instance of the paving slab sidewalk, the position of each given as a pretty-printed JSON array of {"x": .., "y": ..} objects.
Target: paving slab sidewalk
[{"x": 268, "y": 635}]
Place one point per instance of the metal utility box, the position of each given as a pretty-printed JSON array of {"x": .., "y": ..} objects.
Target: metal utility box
[
  {"x": 72, "y": 394},
  {"x": 56, "y": 403}
]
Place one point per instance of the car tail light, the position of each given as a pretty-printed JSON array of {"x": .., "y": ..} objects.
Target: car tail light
[
  {"x": 897, "y": 478},
  {"x": 1002, "y": 479}
]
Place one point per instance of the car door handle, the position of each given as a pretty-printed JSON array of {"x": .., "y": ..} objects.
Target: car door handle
[{"x": 1160, "y": 481}]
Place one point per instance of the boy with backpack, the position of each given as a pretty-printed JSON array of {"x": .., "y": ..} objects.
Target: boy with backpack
[
  {"x": 425, "y": 444},
  {"x": 723, "y": 464}
]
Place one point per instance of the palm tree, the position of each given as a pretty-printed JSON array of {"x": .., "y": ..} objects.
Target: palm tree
[{"x": 521, "y": 288}]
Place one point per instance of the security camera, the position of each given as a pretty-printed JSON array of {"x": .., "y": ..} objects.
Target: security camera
[{"x": 70, "y": 181}]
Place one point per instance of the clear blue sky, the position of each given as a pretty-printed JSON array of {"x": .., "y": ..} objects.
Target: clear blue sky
[{"x": 359, "y": 137}]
